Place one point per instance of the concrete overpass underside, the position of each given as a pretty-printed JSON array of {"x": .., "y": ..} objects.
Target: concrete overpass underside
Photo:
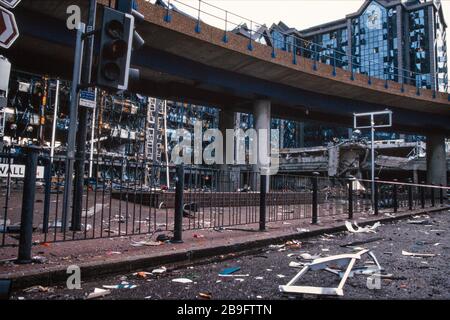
[{"x": 178, "y": 63}]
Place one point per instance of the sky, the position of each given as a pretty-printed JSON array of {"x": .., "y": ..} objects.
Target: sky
[{"x": 300, "y": 14}]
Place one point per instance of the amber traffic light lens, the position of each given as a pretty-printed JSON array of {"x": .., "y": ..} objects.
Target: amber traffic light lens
[{"x": 116, "y": 49}]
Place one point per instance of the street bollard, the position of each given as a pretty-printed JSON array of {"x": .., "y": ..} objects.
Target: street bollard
[
  {"x": 179, "y": 203},
  {"x": 262, "y": 203},
  {"x": 375, "y": 197},
  {"x": 29, "y": 190},
  {"x": 314, "y": 198},
  {"x": 350, "y": 199},
  {"x": 422, "y": 196},
  {"x": 395, "y": 195}
]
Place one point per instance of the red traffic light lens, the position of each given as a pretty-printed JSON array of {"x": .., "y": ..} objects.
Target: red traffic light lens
[
  {"x": 111, "y": 71},
  {"x": 115, "y": 29}
]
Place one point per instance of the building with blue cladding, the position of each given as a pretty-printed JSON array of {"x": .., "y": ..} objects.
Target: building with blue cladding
[{"x": 402, "y": 41}]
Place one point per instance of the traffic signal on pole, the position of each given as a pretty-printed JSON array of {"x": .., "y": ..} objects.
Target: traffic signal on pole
[{"x": 116, "y": 43}]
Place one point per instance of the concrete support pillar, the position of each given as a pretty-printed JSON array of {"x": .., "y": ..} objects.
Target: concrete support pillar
[
  {"x": 436, "y": 160},
  {"x": 261, "y": 114},
  {"x": 226, "y": 122}
]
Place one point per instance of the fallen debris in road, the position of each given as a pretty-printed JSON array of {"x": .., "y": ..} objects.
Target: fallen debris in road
[
  {"x": 371, "y": 229},
  {"x": 358, "y": 243},
  {"x": 182, "y": 280},
  {"x": 120, "y": 286},
  {"x": 307, "y": 256},
  {"x": 98, "y": 293},
  {"x": 205, "y": 295},
  {"x": 342, "y": 260},
  {"x": 229, "y": 271},
  {"x": 38, "y": 289},
  {"x": 159, "y": 270},
  {"x": 414, "y": 254}
]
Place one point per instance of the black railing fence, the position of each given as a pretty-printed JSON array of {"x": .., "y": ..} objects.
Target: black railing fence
[{"x": 126, "y": 196}]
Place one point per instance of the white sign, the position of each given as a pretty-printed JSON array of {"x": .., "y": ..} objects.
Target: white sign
[
  {"x": 88, "y": 98},
  {"x": 18, "y": 171},
  {"x": 9, "y": 3},
  {"x": 8, "y": 28}
]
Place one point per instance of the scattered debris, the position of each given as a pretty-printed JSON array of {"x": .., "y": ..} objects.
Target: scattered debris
[
  {"x": 142, "y": 274},
  {"x": 422, "y": 222},
  {"x": 182, "y": 280},
  {"x": 98, "y": 293},
  {"x": 159, "y": 270},
  {"x": 294, "y": 264},
  {"x": 358, "y": 243},
  {"x": 35, "y": 289},
  {"x": 301, "y": 230},
  {"x": 368, "y": 229},
  {"x": 146, "y": 243},
  {"x": 120, "y": 286},
  {"x": 162, "y": 238},
  {"x": 414, "y": 254},
  {"x": 229, "y": 271},
  {"x": 307, "y": 256},
  {"x": 39, "y": 259},
  {"x": 259, "y": 278},
  {"x": 343, "y": 260},
  {"x": 281, "y": 276},
  {"x": 205, "y": 295}
]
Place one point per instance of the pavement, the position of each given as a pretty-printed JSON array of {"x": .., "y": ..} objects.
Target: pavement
[
  {"x": 102, "y": 257},
  {"x": 264, "y": 269}
]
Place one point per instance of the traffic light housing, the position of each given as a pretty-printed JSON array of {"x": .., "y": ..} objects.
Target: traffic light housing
[{"x": 116, "y": 43}]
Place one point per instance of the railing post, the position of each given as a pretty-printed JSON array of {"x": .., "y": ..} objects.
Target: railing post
[
  {"x": 410, "y": 196},
  {"x": 350, "y": 199},
  {"x": 250, "y": 45},
  {"x": 225, "y": 37},
  {"x": 294, "y": 53},
  {"x": 198, "y": 28},
  {"x": 29, "y": 190},
  {"x": 179, "y": 203},
  {"x": 402, "y": 89},
  {"x": 262, "y": 202},
  {"x": 433, "y": 202},
  {"x": 48, "y": 186},
  {"x": 334, "y": 63},
  {"x": 375, "y": 197},
  {"x": 314, "y": 198},
  {"x": 422, "y": 196},
  {"x": 395, "y": 194},
  {"x": 370, "y": 79},
  {"x": 441, "y": 195},
  {"x": 315, "y": 57},
  {"x": 167, "y": 17}
]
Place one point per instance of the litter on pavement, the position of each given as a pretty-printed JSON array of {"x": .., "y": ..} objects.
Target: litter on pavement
[{"x": 145, "y": 243}]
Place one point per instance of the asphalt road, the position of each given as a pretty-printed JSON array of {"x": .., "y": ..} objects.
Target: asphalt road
[{"x": 412, "y": 277}]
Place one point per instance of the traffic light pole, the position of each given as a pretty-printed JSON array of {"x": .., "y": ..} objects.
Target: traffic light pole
[
  {"x": 83, "y": 121},
  {"x": 73, "y": 114}
]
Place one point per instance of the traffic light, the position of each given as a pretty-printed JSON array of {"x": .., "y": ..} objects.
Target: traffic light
[{"x": 115, "y": 50}]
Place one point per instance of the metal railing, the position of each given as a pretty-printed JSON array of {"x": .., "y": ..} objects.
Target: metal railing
[
  {"x": 200, "y": 10},
  {"x": 127, "y": 196}
]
